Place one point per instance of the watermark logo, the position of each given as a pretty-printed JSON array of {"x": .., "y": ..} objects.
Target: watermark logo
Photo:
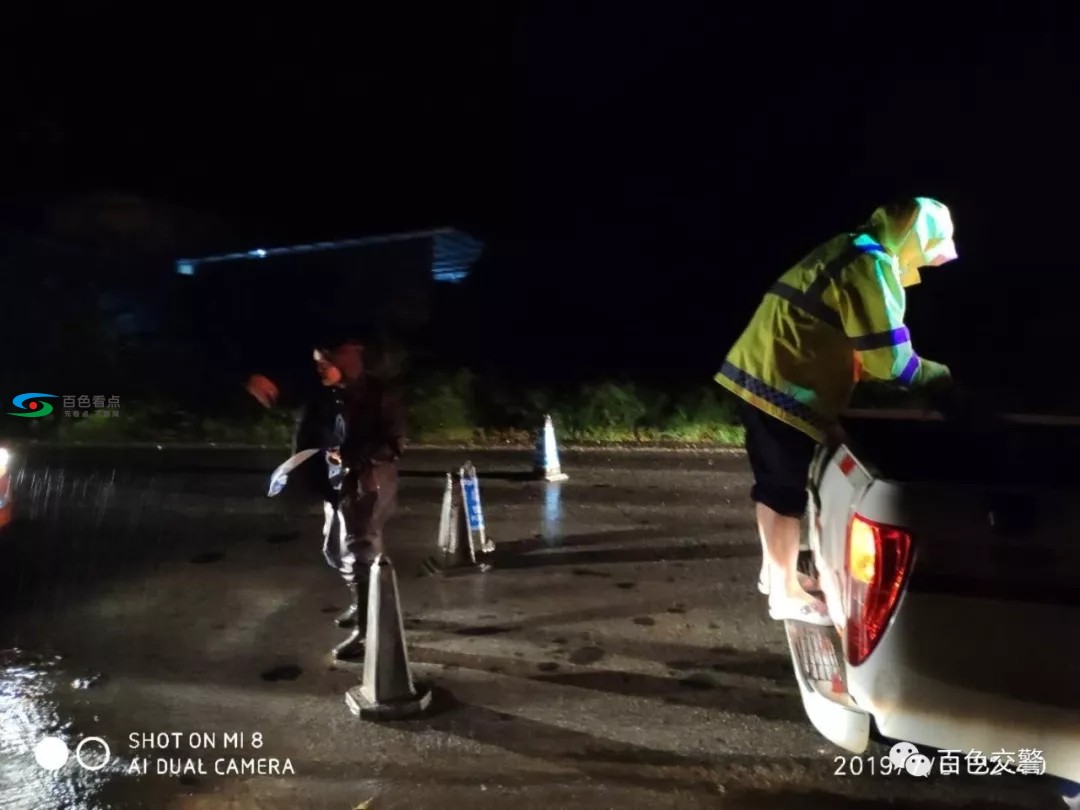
[
  {"x": 52, "y": 753},
  {"x": 81, "y": 405},
  {"x": 84, "y": 405},
  {"x": 29, "y": 403},
  {"x": 165, "y": 754},
  {"x": 905, "y": 755},
  {"x": 1026, "y": 761}
]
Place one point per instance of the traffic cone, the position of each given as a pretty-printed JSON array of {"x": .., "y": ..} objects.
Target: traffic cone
[
  {"x": 387, "y": 691},
  {"x": 450, "y": 522},
  {"x": 474, "y": 513},
  {"x": 447, "y": 539},
  {"x": 453, "y": 528},
  {"x": 547, "y": 454},
  {"x": 448, "y": 535},
  {"x": 465, "y": 541}
]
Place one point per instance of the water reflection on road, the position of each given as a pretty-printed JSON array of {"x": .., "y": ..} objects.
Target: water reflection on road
[{"x": 31, "y": 688}]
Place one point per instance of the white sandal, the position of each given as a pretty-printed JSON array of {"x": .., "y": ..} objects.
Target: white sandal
[
  {"x": 808, "y": 583},
  {"x": 797, "y": 611}
]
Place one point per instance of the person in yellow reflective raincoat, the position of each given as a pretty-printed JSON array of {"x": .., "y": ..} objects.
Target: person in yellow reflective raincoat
[{"x": 834, "y": 318}]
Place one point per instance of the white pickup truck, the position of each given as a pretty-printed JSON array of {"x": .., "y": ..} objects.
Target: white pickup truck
[{"x": 950, "y": 562}]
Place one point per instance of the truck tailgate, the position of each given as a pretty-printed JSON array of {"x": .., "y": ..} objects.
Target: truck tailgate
[
  {"x": 991, "y": 604},
  {"x": 993, "y": 597}
]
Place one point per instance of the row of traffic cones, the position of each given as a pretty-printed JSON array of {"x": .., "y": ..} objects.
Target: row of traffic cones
[
  {"x": 388, "y": 690},
  {"x": 462, "y": 533}
]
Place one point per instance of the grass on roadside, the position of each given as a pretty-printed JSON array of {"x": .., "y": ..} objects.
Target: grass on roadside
[{"x": 446, "y": 408}]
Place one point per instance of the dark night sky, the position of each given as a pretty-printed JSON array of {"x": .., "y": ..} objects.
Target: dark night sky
[{"x": 642, "y": 172}]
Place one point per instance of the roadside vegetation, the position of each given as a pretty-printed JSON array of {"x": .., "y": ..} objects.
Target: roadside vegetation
[{"x": 454, "y": 409}]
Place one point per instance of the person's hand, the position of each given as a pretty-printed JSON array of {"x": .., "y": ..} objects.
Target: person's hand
[
  {"x": 263, "y": 389},
  {"x": 334, "y": 456}
]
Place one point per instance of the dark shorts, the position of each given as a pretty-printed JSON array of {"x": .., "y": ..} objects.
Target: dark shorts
[{"x": 780, "y": 457}]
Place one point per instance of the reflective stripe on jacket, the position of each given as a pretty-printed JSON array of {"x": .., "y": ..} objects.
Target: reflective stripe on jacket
[{"x": 840, "y": 308}]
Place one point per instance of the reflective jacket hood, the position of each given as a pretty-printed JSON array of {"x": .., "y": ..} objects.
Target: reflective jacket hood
[{"x": 917, "y": 232}]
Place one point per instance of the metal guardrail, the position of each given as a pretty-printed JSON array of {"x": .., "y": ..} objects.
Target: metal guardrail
[{"x": 917, "y": 415}]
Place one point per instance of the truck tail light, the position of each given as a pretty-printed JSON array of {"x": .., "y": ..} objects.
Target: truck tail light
[{"x": 876, "y": 565}]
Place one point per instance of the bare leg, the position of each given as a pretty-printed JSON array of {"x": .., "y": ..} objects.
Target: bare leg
[
  {"x": 780, "y": 536},
  {"x": 763, "y": 577}
]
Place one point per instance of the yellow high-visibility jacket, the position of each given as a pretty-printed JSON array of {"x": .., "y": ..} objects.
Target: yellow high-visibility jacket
[{"x": 835, "y": 316}]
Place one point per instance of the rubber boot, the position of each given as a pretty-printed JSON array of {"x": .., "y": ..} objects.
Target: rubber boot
[
  {"x": 353, "y": 647},
  {"x": 347, "y": 619}
]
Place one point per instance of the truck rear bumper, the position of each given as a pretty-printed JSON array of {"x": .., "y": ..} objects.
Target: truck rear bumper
[
  {"x": 820, "y": 674},
  {"x": 950, "y": 719},
  {"x": 904, "y": 705},
  {"x": 927, "y": 684}
]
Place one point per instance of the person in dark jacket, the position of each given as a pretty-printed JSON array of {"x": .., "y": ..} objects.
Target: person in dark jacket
[{"x": 359, "y": 423}]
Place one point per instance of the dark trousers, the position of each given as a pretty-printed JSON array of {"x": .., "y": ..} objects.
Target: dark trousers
[
  {"x": 353, "y": 531},
  {"x": 780, "y": 457}
]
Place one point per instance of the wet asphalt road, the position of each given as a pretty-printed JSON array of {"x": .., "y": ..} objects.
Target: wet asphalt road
[{"x": 617, "y": 656}]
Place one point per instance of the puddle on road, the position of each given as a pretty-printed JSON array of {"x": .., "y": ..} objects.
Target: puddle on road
[
  {"x": 288, "y": 672},
  {"x": 586, "y": 656},
  {"x": 36, "y": 702},
  {"x": 552, "y": 517}
]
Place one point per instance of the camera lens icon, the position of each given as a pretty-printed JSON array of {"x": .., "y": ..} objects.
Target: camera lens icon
[
  {"x": 51, "y": 753},
  {"x": 92, "y": 753}
]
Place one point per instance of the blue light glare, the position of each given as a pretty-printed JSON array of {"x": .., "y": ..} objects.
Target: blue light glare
[{"x": 453, "y": 252}]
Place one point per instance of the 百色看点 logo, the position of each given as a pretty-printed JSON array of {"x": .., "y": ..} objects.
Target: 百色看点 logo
[{"x": 30, "y": 405}]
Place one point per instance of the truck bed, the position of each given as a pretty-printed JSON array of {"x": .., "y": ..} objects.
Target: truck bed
[{"x": 914, "y": 446}]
